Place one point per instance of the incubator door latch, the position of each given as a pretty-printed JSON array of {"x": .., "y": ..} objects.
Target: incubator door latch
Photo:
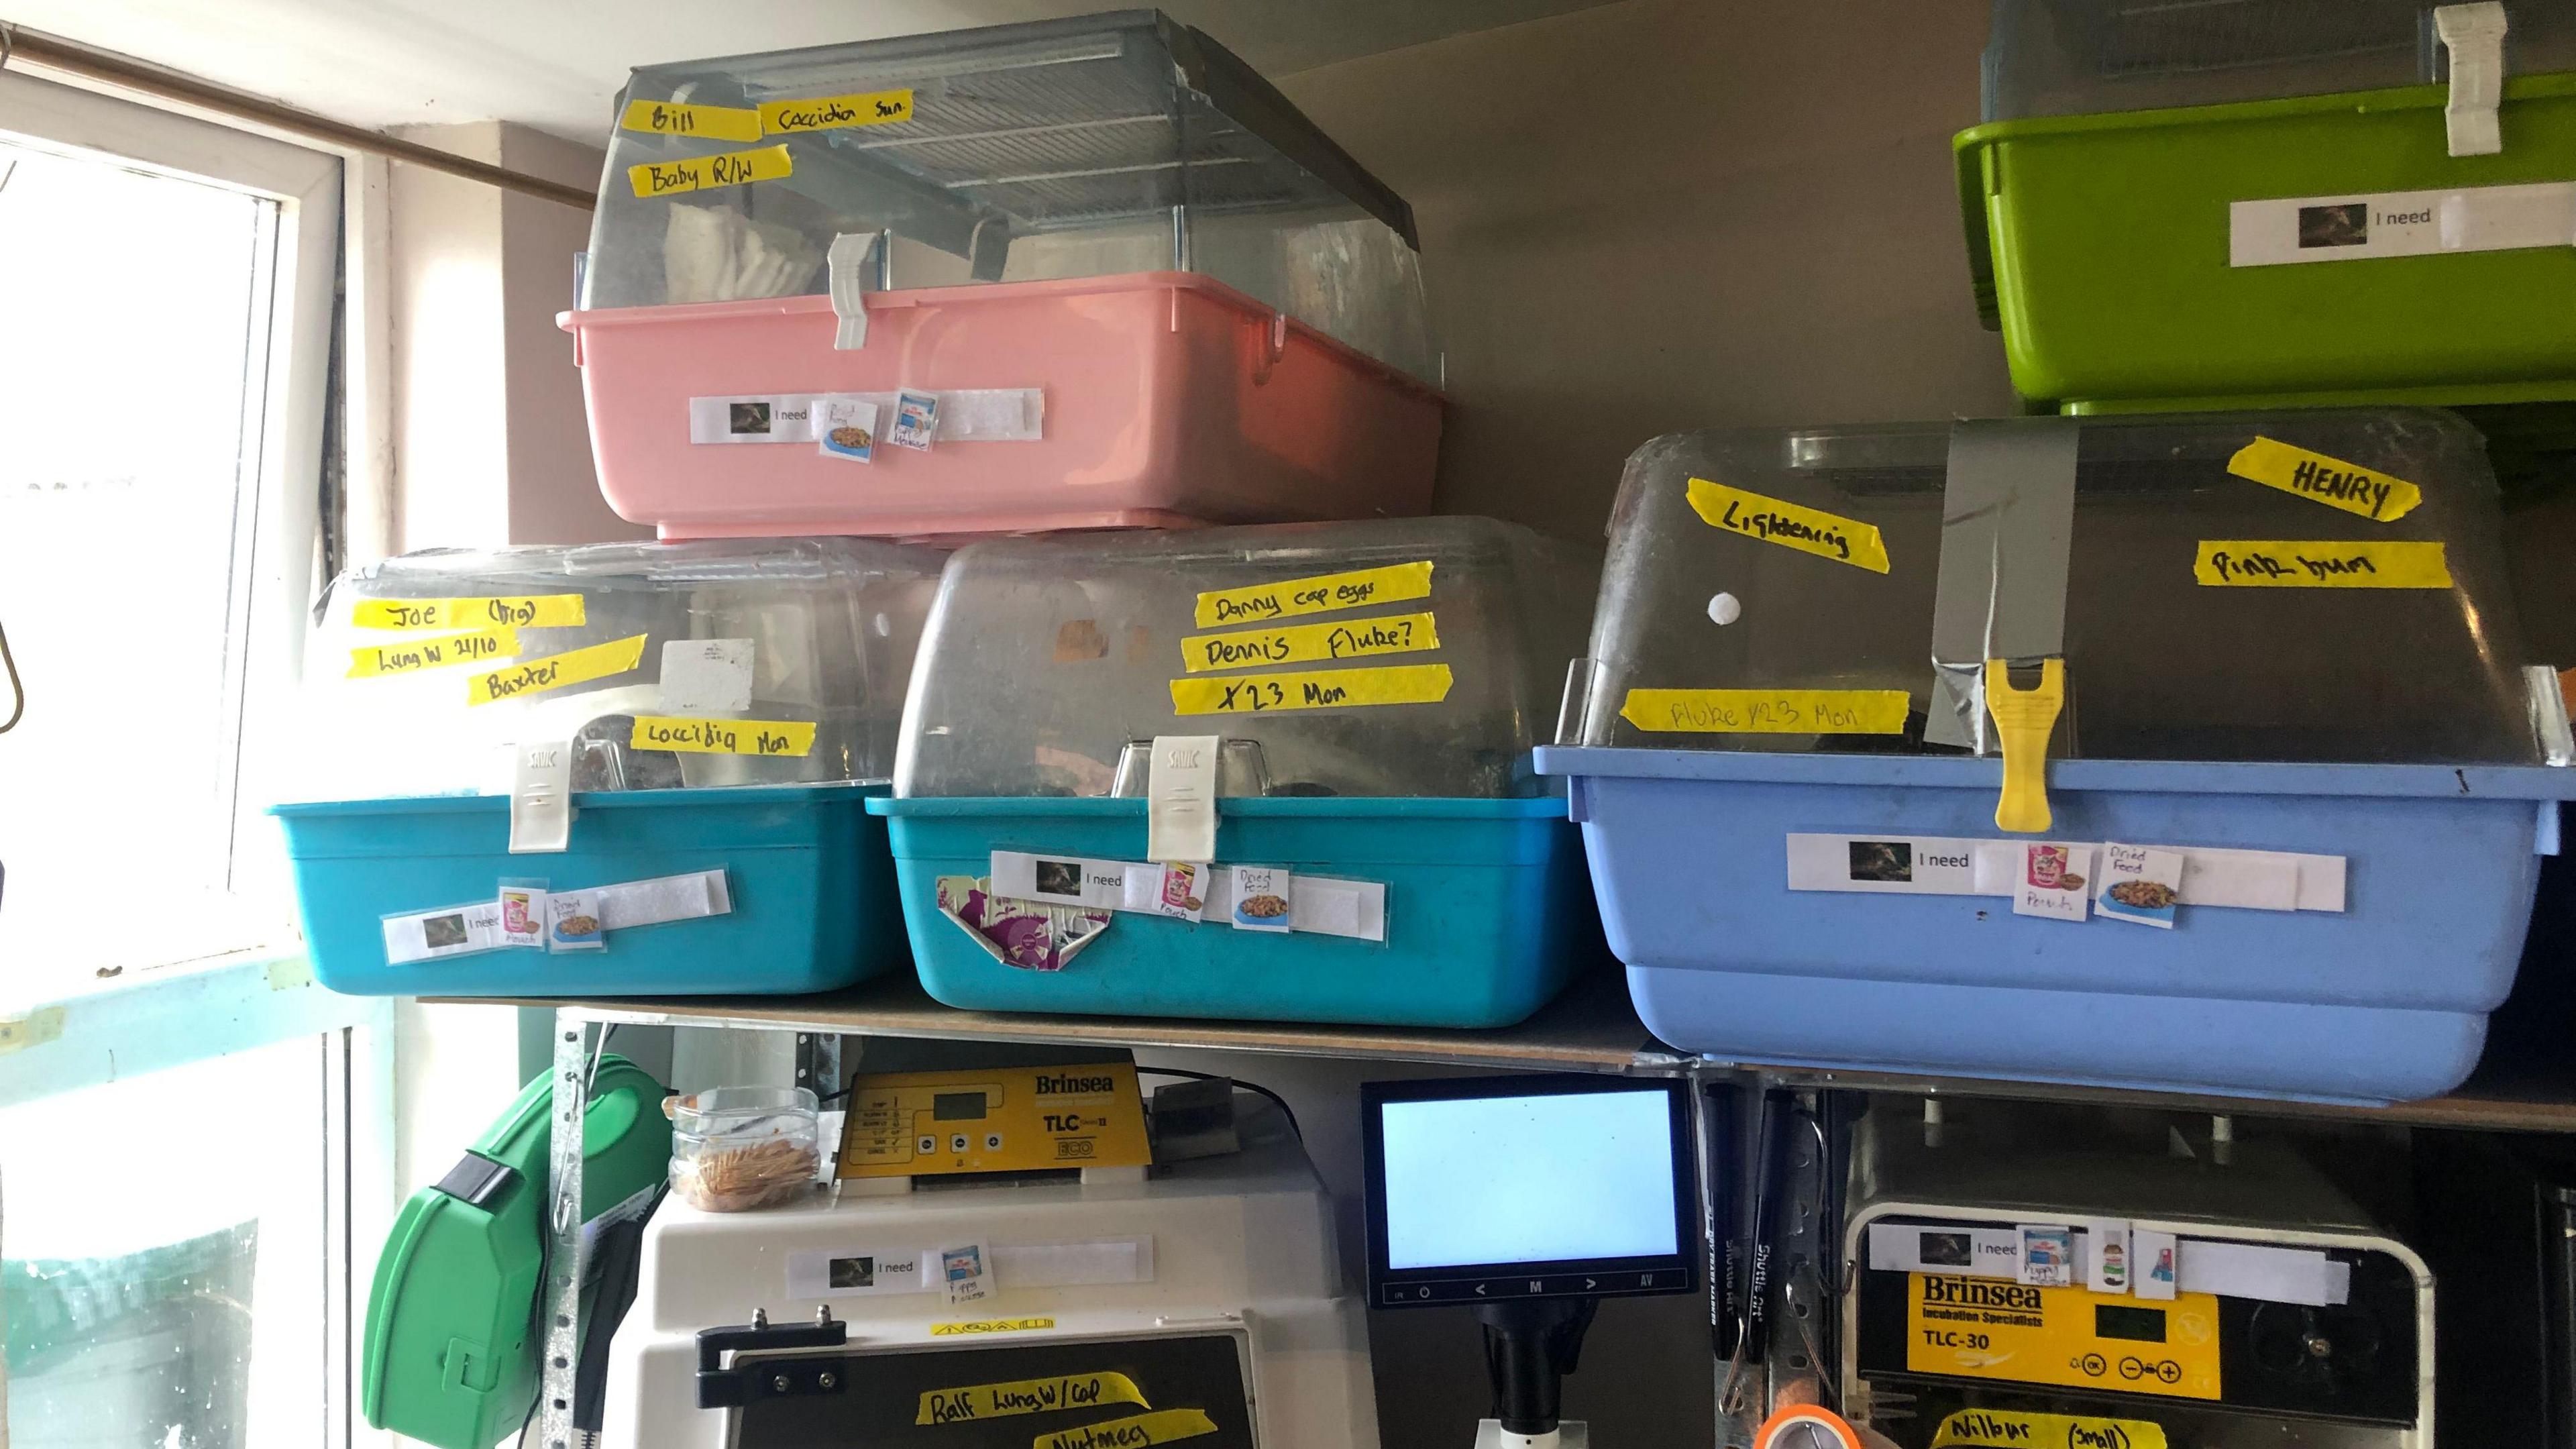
[{"x": 739, "y": 1364}]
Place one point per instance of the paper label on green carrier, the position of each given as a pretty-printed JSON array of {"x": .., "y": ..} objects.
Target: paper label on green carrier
[{"x": 2363, "y": 226}]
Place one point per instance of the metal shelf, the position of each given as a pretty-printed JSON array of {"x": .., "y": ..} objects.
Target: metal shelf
[
  {"x": 2488, "y": 1102},
  {"x": 1592, "y": 1028}
]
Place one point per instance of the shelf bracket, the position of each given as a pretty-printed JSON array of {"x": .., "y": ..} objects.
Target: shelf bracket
[{"x": 562, "y": 1285}]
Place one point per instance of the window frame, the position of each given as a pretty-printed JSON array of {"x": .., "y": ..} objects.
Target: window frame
[
  {"x": 284, "y": 417},
  {"x": 76, "y": 1033}
]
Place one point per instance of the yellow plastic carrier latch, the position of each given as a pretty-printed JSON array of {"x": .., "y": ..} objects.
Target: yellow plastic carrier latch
[{"x": 2024, "y": 718}]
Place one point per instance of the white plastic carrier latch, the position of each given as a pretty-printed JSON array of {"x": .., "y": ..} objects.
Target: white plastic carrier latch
[
  {"x": 541, "y": 807},
  {"x": 2474, "y": 35},
  {"x": 1180, "y": 795},
  {"x": 855, "y": 263}
]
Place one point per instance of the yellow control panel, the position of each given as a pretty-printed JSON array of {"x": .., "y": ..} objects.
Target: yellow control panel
[
  {"x": 1012, "y": 1119},
  {"x": 1995, "y": 1328}
]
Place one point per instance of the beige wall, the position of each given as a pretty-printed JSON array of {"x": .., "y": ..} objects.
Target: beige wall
[
  {"x": 1670, "y": 214},
  {"x": 450, "y": 447},
  {"x": 554, "y": 492},
  {"x": 490, "y": 443}
]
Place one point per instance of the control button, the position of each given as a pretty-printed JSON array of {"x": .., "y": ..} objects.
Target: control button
[
  {"x": 957, "y": 1143},
  {"x": 992, "y": 1141},
  {"x": 927, "y": 1145},
  {"x": 1487, "y": 1290}
]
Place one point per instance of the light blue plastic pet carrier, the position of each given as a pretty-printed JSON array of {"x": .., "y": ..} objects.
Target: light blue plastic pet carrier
[{"x": 2290, "y": 687}]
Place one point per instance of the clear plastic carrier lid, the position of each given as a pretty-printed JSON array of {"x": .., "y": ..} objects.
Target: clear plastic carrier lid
[
  {"x": 1396, "y": 658},
  {"x": 2308, "y": 586},
  {"x": 2080, "y": 57},
  {"x": 732, "y": 662},
  {"x": 1103, "y": 145}
]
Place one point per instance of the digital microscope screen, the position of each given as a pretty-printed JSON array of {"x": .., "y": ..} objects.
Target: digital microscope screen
[{"x": 1468, "y": 1179}]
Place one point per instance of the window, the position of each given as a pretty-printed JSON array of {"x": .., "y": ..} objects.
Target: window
[
  {"x": 195, "y": 1140},
  {"x": 140, "y": 1315},
  {"x": 161, "y": 390}
]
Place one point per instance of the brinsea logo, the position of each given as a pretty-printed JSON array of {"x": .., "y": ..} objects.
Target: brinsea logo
[
  {"x": 1067, "y": 1085},
  {"x": 1979, "y": 1293}
]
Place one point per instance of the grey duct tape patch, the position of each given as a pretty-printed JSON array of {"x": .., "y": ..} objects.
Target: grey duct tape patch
[{"x": 2007, "y": 522}]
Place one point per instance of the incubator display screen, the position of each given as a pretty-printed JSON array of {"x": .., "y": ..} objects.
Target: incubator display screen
[
  {"x": 1519, "y": 1187},
  {"x": 2138, "y": 1325}
]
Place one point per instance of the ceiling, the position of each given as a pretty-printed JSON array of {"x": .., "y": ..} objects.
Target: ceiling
[{"x": 557, "y": 64}]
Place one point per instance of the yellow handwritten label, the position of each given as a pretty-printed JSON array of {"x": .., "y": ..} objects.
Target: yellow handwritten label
[
  {"x": 672, "y": 118},
  {"x": 2274, "y": 563},
  {"x": 1976, "y": 1428},
  {"x": 1305, "y": 643},
  {"x": 1312, "y": 689},
  {"x": 784, "y": 738},
  {"x": 1160, "y": 1427},
  {"x": 555, "y": 671},
  {"x": 977, "y": 1402},
  {"x": 1995, "y": 1328},
  {"x": 990, "y": 1325},
  {"x": 1322, "y": 594},
  {"x": 518, "y": 611},
  {"x": 1790, "y": 525},
  {"x": 1767, "y": 711},
  {"x": 830, "y": 113},
  {"x": 2330, "y": 481},
  {"x": 408, "y": 656},
  {"x": 696, "y": 173}
]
